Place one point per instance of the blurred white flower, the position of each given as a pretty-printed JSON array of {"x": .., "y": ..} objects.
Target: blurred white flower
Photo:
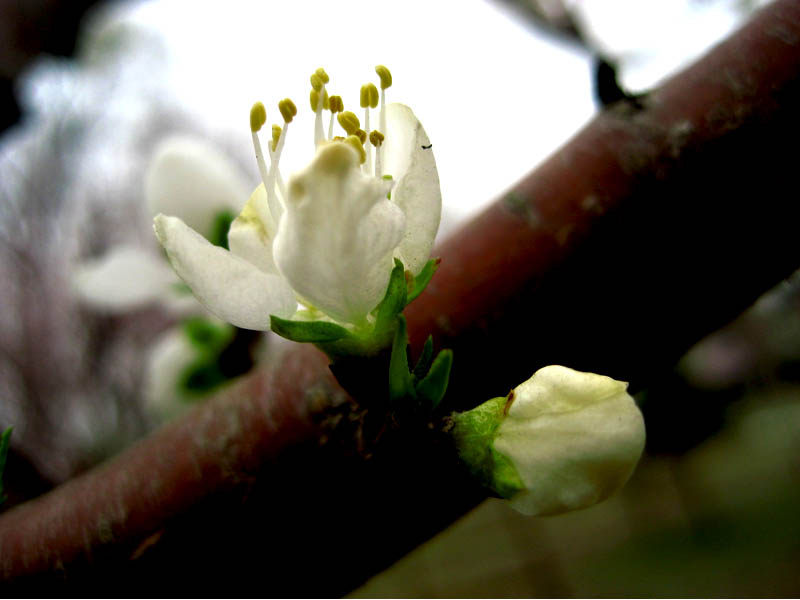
[
  {"x": 167, "y": 361},
  {"x": 561, "y": 441},
  {"x": 186, "y": 364},
  {"x": 327, "y": 239},
  {"x": 186, "y": 177}
]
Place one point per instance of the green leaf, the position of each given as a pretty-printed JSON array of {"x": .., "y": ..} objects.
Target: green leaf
[
  {"x": 422, "y": 280},
  {"x": 401, "y": 384},
  {"x": 393, "y": 303},
  {"x": 433, "y": 387},
  {"x": 219, "y": 228},
  {"x": 424, "y": 359},
  {"x": 201, "y": 377},
  {"x": 307, "y": 331},
  {"x": 5, "y": 443},
  {"x": 207, "y": 335}
]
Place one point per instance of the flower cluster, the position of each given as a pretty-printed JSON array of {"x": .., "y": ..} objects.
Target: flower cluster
[
  {"x": 329, "y": 237},
  {"x": 186, "y": 177}
]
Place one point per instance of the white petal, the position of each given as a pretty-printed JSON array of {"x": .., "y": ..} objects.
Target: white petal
[
  {"x": 249, "y": 237},
  {"x": 231, "y": 288},
  {"x": 123, "y": 279},
  {"x": 335, "y": 240},
  {"x": 574, "y": 438},
  {"x": 190, "y": 179},
  {"x": 166, "y": 362},
  {"x": 408, "y": 158}
]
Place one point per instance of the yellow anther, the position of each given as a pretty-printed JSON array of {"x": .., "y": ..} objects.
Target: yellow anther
[
  {"x": 349, "y": 122},
  {"x": 362, "y": 135},
  {"x": 335, "y": 104},
  {"x": 369, "y": 96},
  {"x": 258, "y": 116},
  {"x": 338, "y": 138},
  {"x": 322, "y": 75},
  {"x": 357, "y": 146},
  {"x": 376, "y": 138},
  {"x": 288, "y": 109},
  {"x": 276, "y": 135},
  {"x": 314, "y": 98},
  {"x": 385, "y": 75},
  {"x": 316, "y": 82}
]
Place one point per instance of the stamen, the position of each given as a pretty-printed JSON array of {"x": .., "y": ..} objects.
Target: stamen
[
  {"x": 318, "y": 80},
  {"x": 386, "y": 81},
  {"x": 357, "y": 146},
  {"x": 319, "y": 101},
  {"x": 314, "y": 99},
  {"x": 385, "y": 75},
  {"x": 369, "y": 99},
  {"x": 369, "y": 95},
  {"x": 335, "y": 105},
  {"x": 349, "y": 122},
  {"x": 376, "y": 139},
  {"x": 288, "y": 110},
  {"x": 276, "y": 135},
  {"x": 258, "y": 116},
  {"x": 322, "y": 75}
]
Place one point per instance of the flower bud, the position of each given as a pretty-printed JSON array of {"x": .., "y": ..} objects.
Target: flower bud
[{"x": 561, "y": 441}]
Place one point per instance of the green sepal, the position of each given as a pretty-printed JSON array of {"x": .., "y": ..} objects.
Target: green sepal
[
  {"x": 421, "y": 281},
  {"x": 506, "y": 481},
  {"x": 433, "y": 387},
  {"x": 5, "y": 443},
  {"x": 424, "y": 361},
  {"x": 401, "y": 382},
  {"x": 307, "y": 331},
  {"x": 474, "y": 434},
  {"x": 220, "y": 227},
  {"x": 393, "y": 303}
]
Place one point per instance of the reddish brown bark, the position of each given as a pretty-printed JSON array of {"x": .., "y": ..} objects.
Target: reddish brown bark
[{"x": 649, "y": 229}]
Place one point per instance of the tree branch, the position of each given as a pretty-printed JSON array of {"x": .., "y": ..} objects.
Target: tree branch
[{"x": 649, "y": 229}]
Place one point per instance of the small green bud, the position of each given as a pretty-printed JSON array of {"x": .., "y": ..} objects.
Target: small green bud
[{"x": 561, "y": 441}]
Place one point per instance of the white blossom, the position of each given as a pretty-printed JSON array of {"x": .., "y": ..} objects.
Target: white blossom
[{"x": 327, "y": 238}]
